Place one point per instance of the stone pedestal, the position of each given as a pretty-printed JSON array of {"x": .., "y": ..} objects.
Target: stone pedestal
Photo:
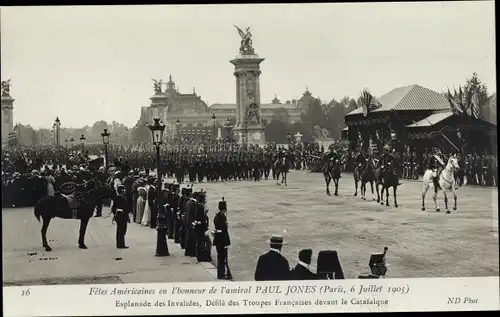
[
  {"x": 248, "y": 114},
  {"x": 158, "y": 107},
  {"x": 7, "y": 117}
]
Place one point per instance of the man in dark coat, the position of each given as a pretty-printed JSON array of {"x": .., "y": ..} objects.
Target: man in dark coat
[
  {"x": 189, "y": 218},
  {"x": 273, "y": 266},
  {"x": 222, "y": 242},
  {"x": 121, "y": 212},
  {"x": 302, "y": 270}
]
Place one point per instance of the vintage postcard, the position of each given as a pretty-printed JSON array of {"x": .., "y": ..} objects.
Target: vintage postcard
[{"x": 252, "y": 158}]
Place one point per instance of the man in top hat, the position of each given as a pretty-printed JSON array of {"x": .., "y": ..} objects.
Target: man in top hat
[
  {"x": 121, "y": 211},
  {"x": 273, "y": 266},
  {"x": 302, "y": 270},
  {"x": 222, "y": 241}
]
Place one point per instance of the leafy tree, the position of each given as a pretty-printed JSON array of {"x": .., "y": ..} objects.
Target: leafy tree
[
  {"x": 299, "y": 127},
  {"x": 97, "y": 128},
  {"x": 314, "y": 115},
  {"x": 474, "y": 84},
  {"x": 141, "y": 132},
  {"x": 281, "y": 114},
  {"x": 352, "y": 106},
  {"x": 276, "y": 131}
]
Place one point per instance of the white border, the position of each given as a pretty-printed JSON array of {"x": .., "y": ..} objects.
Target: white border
[{"x": 382, "y": 295}]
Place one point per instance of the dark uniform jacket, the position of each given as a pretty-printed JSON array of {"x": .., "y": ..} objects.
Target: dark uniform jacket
[
  {"x": 120, "y": 209},
  {"x": 302, "y": 273},
  {"x": 272, "y": 266},
  {"x": 221, "y": 234},
  {"x": 190, "y": 209}
]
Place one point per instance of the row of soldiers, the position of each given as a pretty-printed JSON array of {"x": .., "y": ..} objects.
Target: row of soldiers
[{"x": 184, "y": 215}]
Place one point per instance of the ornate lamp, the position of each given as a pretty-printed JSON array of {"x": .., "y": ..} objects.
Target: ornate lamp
[
  {"x": 82, "y": 139},
  {"x": 157, "y": 129},
  {"x": 105, "y": 140},
  {"x": 105, "y": 137}
]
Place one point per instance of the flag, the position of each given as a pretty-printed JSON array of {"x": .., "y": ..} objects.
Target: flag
[
  {"x": 474, "y": 104},
  {"x": 455, "y": 108},
  {"x": 460, "y": 100}
]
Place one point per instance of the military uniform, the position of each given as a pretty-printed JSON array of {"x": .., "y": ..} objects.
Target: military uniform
[
  {"x": 222, "y": 242},
  {"x": 121, "y": 212}
]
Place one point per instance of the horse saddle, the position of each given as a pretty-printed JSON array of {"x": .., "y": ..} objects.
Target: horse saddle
[{"x": 72, "y": 200}]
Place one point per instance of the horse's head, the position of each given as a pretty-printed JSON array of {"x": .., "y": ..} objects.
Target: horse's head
[{"x": 453, "y": 163}]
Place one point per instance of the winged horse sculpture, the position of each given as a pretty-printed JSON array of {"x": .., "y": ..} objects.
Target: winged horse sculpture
[{"x": 246, "y": 39}]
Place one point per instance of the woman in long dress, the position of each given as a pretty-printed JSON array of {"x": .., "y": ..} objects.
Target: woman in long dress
[
  {"x": 50, "y": 183},
  {"x": 140, "y": 204},
  {"x": 146, "y": 218}
]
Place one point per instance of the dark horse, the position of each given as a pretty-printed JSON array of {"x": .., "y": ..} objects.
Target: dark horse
[
  {"x": 387, "y": 177},
  {"x": 367, "y": 176},
  {"x": 281, "y": 166},
  {"x": 58, "y": 206},
  {"x": 331, "y": 171}
]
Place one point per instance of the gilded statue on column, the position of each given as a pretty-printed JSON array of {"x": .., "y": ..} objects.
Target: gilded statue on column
[
  {"x": 246, "y": 40},
  {"x": 6, "y": 87}
]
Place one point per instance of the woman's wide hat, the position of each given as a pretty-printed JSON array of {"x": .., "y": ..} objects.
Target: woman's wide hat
[{"x": 276, "y": 239}]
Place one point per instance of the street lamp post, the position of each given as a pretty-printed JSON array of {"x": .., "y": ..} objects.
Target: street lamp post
[
  {"x": 82, "y": 139},
  {"x": 289, "y": 138},
  {"x": 54, "y": 133},
  {"x": 71, "y": 140},
  {"x": 66, "y": 143},
  {"x": 58, "y": 129},
  {"x": 105, "y": 140},
  {"x": 213, "y": 120},
  {"x": 157, "y": 129}
]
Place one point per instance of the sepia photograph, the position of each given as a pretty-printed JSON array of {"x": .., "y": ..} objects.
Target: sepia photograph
[{"x": 251, "y": 142}]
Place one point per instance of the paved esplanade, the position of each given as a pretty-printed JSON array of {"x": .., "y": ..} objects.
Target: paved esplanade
[
  {"x": 421, "y": 244},
  {"x": 100, "y": 263}
]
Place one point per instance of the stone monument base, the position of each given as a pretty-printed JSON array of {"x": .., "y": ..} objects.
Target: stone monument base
[{"x": 250, "y": 135}]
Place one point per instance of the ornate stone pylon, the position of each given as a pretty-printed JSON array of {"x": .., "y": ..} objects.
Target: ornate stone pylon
[
  {"x": 7, "y": 111},
  {"x": 247, "y": 72},
  {"x": 159, "y": 102}
]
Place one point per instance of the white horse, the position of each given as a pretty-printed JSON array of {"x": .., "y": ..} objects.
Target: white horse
[{"x": 446, "y": 181}]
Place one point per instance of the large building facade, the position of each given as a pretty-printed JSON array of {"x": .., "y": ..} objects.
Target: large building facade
[{"x": 190, "y": 111}]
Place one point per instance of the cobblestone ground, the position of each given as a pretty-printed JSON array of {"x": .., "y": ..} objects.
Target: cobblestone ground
[
  {"x": 26, "y": 263},
  {"x": 421, "y": 244}
]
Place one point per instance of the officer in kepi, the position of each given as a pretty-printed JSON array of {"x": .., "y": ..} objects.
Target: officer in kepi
[
  {"x": 222, "y": 242},
  {"x": 121, "y": 212},
  {"x": 436, "y": 163}
]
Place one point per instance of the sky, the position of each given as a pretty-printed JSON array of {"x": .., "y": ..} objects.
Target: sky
[{"x": 92, "y": 63}]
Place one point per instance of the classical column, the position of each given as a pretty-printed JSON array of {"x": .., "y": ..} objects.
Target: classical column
[{"x": 7, "y": 111}]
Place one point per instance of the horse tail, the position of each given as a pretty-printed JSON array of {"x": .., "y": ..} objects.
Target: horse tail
[{"x": 37, "y": 211}]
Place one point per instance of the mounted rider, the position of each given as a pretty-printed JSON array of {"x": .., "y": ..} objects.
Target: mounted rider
[
  {"x": 329, "y": 158},
  {"x": 436, "y": 164},
  {"x": 359, "y": 160}
]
